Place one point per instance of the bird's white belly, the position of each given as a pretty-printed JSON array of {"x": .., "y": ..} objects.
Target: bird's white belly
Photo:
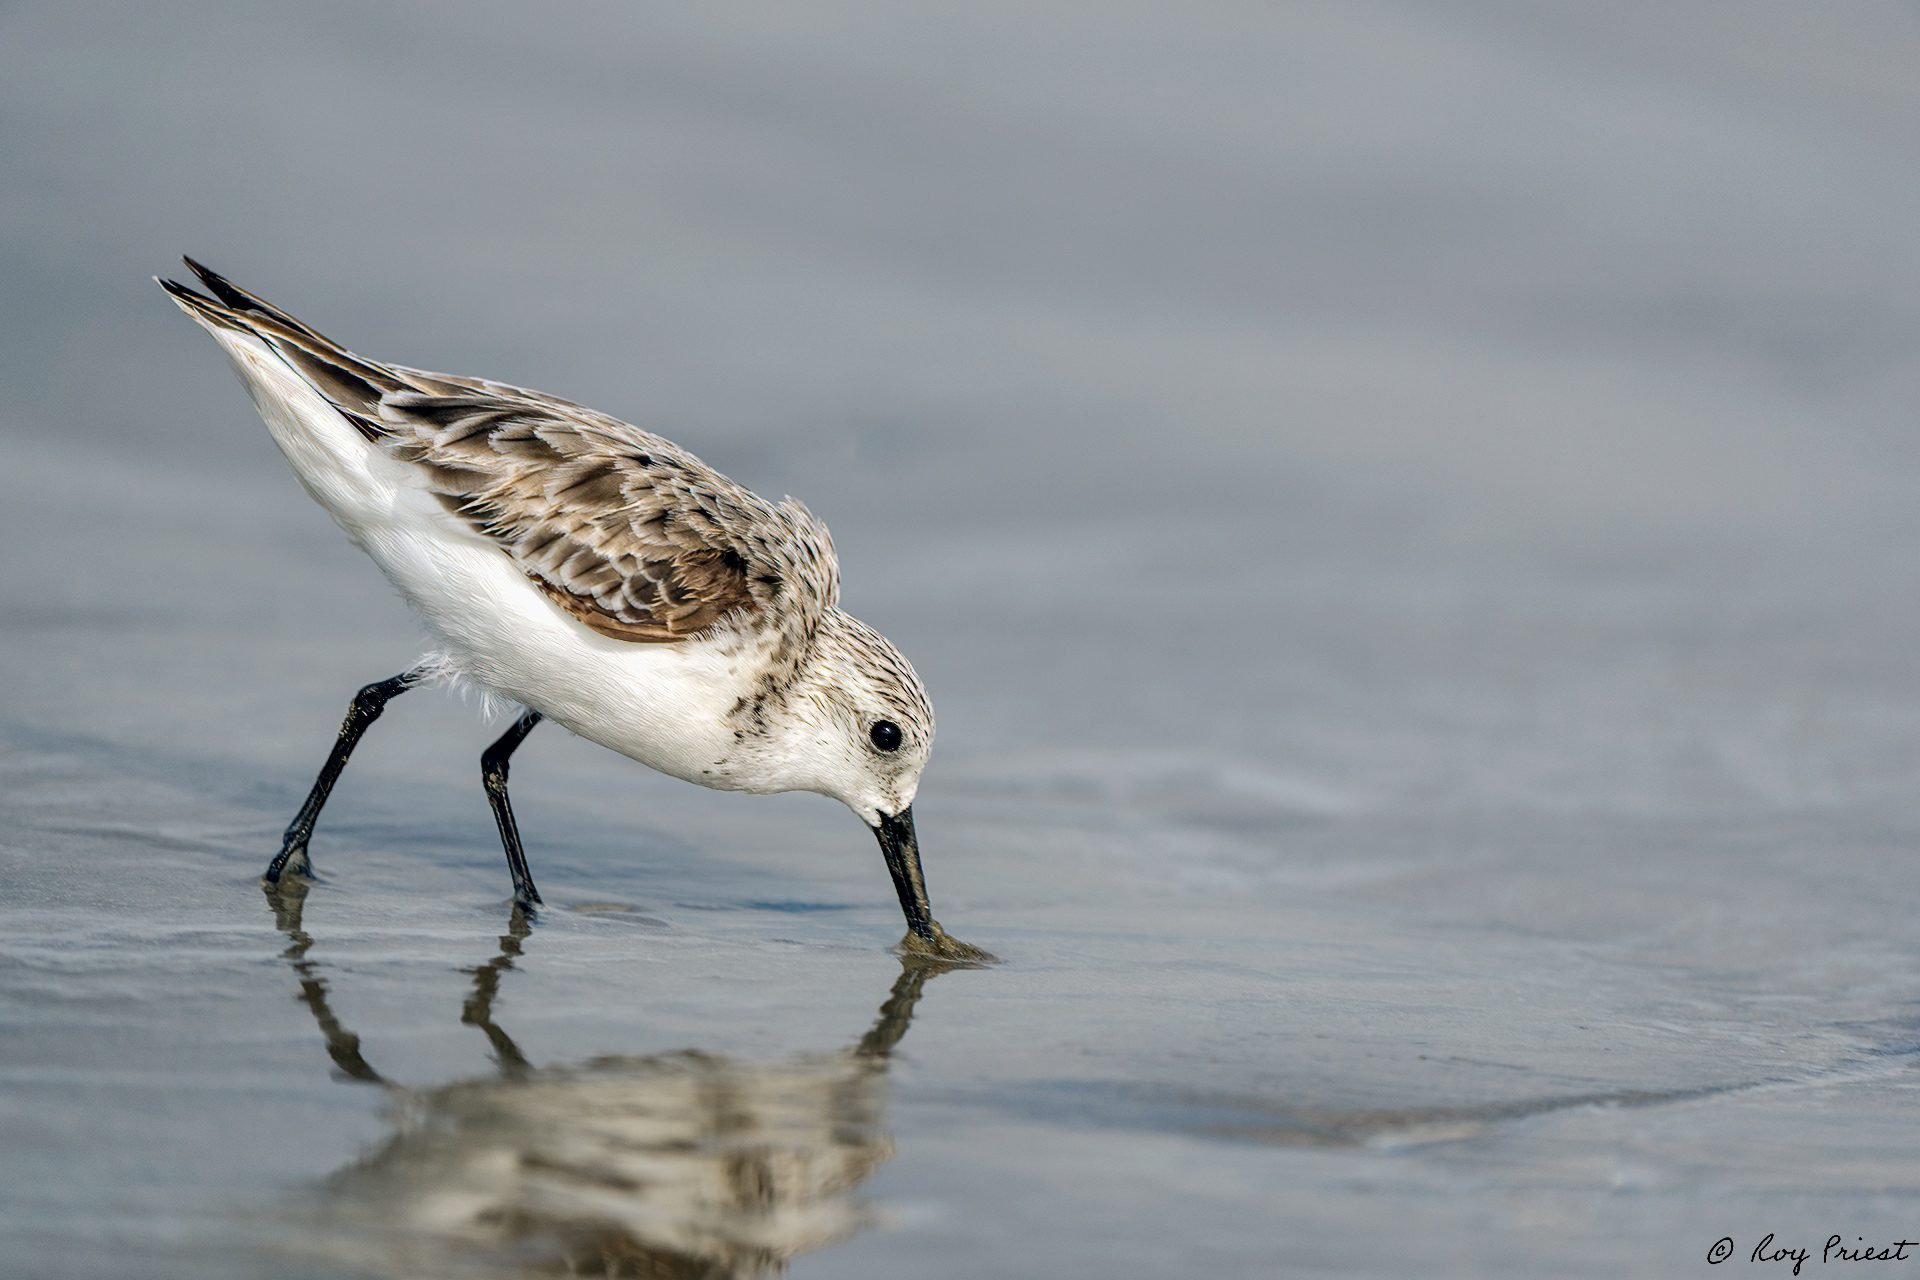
[{"x": 665, "y": 705}]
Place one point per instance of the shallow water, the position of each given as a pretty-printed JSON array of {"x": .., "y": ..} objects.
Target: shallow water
[{"x": 1406, "y": 513}]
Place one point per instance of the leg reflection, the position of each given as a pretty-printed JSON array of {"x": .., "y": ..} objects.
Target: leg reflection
[
  {"x": 478, "y": 1010},
  {"x": 897, "y": 1011},
  {"x": 288, "y": 898}
]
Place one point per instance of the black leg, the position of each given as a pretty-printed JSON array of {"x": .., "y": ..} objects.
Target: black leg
[
  {"x": 363, "y": 711},
  {"x": 493, "y": 772}
]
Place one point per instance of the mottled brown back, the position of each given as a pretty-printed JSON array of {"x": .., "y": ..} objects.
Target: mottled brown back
[{"x": 628, "y": 532}]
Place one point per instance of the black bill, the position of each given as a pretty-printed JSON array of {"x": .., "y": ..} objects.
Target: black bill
[{"x": 902, "y": 848}]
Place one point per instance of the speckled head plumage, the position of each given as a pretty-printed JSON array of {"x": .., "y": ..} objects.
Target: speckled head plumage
[{"x": 850, "y": 719}]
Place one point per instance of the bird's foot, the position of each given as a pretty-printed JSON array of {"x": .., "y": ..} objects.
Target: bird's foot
[
  {"x": 941, "y": 947},
  {"x": 292, "y": 860}
]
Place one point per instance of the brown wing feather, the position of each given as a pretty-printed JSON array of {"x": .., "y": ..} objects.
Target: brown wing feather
[
  {"x": 631, "y": 534},
  {"x": 625, "y": 530}
]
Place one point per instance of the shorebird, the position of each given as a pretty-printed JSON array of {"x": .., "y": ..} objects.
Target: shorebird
[{"x": 596, "y": 575}]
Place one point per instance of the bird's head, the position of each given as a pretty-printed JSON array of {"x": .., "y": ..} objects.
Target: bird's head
[{"x": 856, "y": 724}]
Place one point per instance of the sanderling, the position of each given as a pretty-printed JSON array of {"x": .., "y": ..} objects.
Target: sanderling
[{"x": 596, "y": 575}]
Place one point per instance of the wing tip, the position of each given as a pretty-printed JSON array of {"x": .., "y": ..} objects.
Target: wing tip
[
  {"x": 233, "y": 301},
  {"x": 218, "y": 285}
]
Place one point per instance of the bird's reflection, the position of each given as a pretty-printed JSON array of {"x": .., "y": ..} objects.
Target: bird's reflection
[{"x": 683, "y": 1164}]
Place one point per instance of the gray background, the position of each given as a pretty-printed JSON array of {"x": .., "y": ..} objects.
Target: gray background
[{"x": 1405, "y": 511}]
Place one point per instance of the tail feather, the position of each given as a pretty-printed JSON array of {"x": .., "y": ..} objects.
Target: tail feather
[{"x": 354, "y": 386}]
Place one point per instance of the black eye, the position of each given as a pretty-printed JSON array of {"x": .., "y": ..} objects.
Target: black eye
[{"x": 885, "y": 735}]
